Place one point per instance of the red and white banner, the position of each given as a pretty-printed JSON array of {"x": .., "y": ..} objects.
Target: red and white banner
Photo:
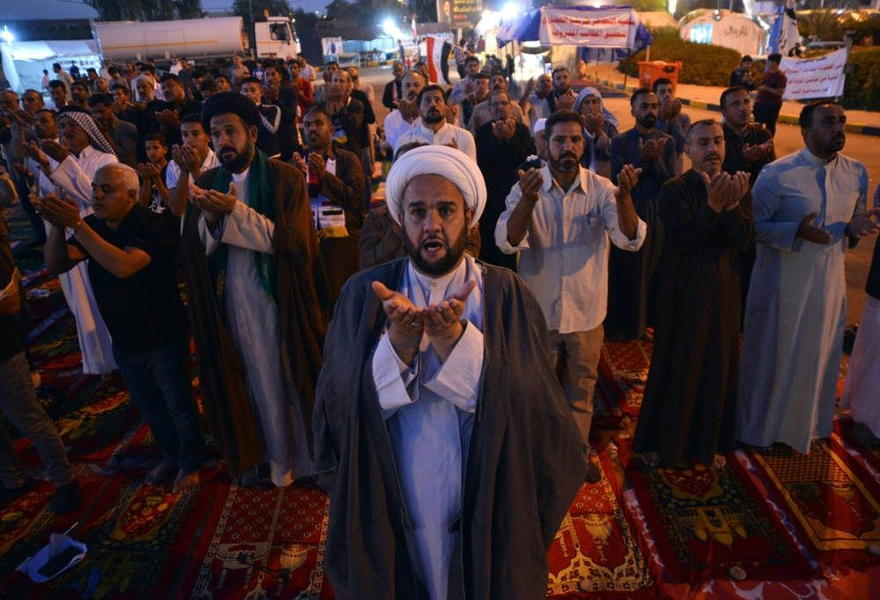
[
  {"x": 811, "y": 78},
  {"x": 597, "y": 28}
]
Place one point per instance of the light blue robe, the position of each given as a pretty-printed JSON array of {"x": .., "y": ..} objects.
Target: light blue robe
[
  {"x": 796, "y": 306},
  {"x": 429, "y": 410}
]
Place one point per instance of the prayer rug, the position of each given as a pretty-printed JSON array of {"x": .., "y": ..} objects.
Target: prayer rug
[
  {"x": 834, "y": 508},
  {"x": 595, "y": 551},
  {"x": 703, "y": 521}
]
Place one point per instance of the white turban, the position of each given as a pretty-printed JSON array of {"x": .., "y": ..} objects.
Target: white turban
[
  {"x": 540, "y": 125},
  {"x": 434, "y": 159}
]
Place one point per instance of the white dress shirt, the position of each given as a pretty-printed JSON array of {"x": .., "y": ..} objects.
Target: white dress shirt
[
  {"x": 564, "y": 254},
  {"x": 447, "y": 135}
]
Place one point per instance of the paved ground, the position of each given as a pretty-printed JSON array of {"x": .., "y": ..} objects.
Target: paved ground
[{"x": 788, "y": 139}]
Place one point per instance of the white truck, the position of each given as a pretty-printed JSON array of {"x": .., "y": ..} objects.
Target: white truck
[{"x": 211, "y": 37}]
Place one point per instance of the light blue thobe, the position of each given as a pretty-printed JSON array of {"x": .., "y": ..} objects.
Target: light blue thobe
[
  {"x": 429, "y": 410},
  {"x": 796, "y": 306}
]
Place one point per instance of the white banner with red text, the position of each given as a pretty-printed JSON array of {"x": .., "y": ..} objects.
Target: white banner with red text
[
  {"x": 811, "y": 78},
  {"x": 596, "y": 28}
]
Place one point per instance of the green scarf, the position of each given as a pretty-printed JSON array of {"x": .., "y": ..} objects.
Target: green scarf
[{"x": 261, "y": 198}]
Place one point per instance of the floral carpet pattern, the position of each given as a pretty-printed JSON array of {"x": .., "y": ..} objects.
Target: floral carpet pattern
[{"x": 769, "y": 524}]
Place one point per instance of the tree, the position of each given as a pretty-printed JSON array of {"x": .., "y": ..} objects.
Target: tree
[{"x": 146, "y": 10}]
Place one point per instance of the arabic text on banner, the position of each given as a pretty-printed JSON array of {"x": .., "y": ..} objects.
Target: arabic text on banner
[
  {"x": 604, "y": 28},
  {"x": 810, "y": 78}
]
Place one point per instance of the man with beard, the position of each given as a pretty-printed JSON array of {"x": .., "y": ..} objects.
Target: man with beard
[
  {"x": 79, "y": 94},
  {"x": 560, "y": 218},
  {"x": 502, "y": 146},
  {"x": 400, "y": 120},
  {"x": 124, "y": 135},
  {"x": 174, "y": 108},
  {"x": 394, "y": 89},
  {"x": 748, "y": 146},
  {"x": 562, "y": 97},
  {"x": 249, "y": 252},
  {"x": 448, "y": 476},
  {"x": 670, "y": 118},
  {"x": 535, "y": 101},
  {"x": 431, "y": 127},
  {"x": 809, "y": 206},
  {"x": 631, "y": 297},
  {"x": 689, "y": 410},
  {"x": 336, "y": 192},
  {"x": 69, "y": 168},
  {"x": 483, "y": 113}
]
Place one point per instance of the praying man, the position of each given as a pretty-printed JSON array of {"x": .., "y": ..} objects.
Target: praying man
[
  {"x": 442, "y": 434},
  {"x": 249, "y": 252}
]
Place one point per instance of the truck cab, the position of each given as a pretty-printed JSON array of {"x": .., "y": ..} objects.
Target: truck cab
[{"x": 275, "y": 38}]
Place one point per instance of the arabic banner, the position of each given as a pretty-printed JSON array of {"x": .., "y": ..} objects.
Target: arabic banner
[
  {"x": 596, "y": 28},
  {"x": 810, "y": 78}
]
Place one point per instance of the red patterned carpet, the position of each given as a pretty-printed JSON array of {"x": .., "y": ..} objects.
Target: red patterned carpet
[{"x": 798, "y": 526}]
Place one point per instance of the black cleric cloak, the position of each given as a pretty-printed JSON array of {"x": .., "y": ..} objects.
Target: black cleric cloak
[
  {"x": 525, "y": 464},
  {"x": 301, "y": 293}
]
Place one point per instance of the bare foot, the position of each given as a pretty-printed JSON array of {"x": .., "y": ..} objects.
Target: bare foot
[
  {"x": 160, "y": 474},
  {"x": 720, "y": 462}
]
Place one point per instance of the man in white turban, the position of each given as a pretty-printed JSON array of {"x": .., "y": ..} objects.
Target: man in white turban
[{"x": 441, "y": 432}]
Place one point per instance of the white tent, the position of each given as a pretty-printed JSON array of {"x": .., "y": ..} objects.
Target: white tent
[
  {"x": 723, "y": 28},
  {"x": 23, "y": 62}
]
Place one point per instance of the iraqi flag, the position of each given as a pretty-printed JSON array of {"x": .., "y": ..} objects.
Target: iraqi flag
[{"x": 438, "y": 58}]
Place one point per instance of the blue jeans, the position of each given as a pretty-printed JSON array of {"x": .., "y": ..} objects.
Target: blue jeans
[{"x": 160, "y": 387}]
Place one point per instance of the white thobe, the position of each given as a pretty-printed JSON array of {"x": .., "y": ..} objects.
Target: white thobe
[
  {"x": 448, "y": 135},
  {"x": 429, "y": 410},
  {"x": 252, "y": 319},
  {"x": 796, "y": 306},
  {"x": 73, "y": 176}
]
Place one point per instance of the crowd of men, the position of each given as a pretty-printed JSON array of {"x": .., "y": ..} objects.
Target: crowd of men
[{"x": 389, "y": 351}]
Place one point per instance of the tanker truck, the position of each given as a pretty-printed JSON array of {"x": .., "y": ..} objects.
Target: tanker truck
[{"x": 210, "y": 37}]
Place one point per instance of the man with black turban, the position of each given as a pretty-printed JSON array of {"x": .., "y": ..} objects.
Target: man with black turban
[{"x": 250, "y": 259}]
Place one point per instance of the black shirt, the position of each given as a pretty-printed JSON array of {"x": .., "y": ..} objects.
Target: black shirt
[
  {"x": 142, "y": 312},
  {"x": 735, "y": 160}
]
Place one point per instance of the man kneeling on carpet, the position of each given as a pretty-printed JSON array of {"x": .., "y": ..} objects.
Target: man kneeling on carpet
[
  {"x": 132, "y": 273},
  {"x": 441, "y": 431}
]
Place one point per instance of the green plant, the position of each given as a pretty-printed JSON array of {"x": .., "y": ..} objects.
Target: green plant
[
  {"x": 702, "y": 64},
  {"x": 862, "y": 89}
]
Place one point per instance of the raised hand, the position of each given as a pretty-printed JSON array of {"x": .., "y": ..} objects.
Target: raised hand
[
  {"x": 317, "y": 164},
  {"x": 168, "y": 118},
  {"x": 530, "y": 183},
  {"x": 652, "y": 150},
  {"x": 35, "y": 152},
  {"x": 627, "y": 180},
  {"x": 214, "y": 203},
  {"x": 60, "y": 212},
  {"x": 565, "y": 101},
  {"x": 405, "y": 321},
  {"x": 55, "y": 150},
  {"x": 443, "y": 321},
  {"x": 811, "y": 233},
  {"x": 864, "y": 224},
  {"x": 300, "y": 162},
  {"x": 503, "y": 129}
]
